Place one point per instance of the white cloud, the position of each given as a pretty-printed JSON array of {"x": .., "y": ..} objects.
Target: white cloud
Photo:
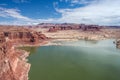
[
  {"x": 18, "y": 18},
  {"x": 79, "y": 1},
  {"x": 102, "y": 12},
  {"x": 14, "y": 13}
]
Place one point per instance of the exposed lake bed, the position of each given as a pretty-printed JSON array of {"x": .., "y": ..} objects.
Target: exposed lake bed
[{"x": 76, "y": 60}]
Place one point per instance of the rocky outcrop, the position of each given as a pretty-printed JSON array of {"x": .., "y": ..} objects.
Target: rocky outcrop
[
  {"x": 53, "y": 29},
  {"x": 13, "y": 62},
  {"x": 19, "y": 35},
  {"x": 90, "y": 27},
  {"x": 118, "y": 43},
  {"x": 83, "y": 27}
]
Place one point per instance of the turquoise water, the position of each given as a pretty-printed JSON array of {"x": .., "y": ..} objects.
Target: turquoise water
[{"x": 78, "y": 60}]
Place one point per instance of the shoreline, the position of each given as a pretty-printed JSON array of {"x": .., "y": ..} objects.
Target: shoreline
[
  {"x": 36, "y": 39},
  {"x": 56, "y": 42},
  {"x": 31, "y": 45},
  {"x": 49, "y": 42}
]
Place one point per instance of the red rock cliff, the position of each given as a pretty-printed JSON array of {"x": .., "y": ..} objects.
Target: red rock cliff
[
  {"x": 13, "y": 62},
  {"x": 21, "y": 35}
]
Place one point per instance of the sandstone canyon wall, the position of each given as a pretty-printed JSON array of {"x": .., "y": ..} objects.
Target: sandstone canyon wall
[{"x": 13, "y": 62}]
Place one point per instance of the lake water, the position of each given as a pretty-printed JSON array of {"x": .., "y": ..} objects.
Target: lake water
[{"x": 78, "y": 60}]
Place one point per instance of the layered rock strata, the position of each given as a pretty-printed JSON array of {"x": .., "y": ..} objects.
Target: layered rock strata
[
  {"x": 18, "y": 35},
  {"x": 74, "y": 27},
  {"x": 13, "y": 62}
]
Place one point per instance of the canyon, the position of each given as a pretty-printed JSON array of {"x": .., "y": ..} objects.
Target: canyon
[{"x": 13, "y": 62}]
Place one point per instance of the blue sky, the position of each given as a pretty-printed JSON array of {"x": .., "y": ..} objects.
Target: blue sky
[{"x": 24, "y": 12}]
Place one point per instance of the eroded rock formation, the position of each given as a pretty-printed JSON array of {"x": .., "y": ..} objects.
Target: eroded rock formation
[
  {"x": 13, "y": 62},
  {"x": 21, "y": 35},
  {"x": 55, "y": 28},
  {"x": 118, "y": 43}
]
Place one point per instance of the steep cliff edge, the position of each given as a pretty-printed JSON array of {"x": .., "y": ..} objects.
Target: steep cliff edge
[
  {"x": 13, "y": 62},
  {"x": 118, "y": 43},
  {"x": 21, "y": 35}
]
